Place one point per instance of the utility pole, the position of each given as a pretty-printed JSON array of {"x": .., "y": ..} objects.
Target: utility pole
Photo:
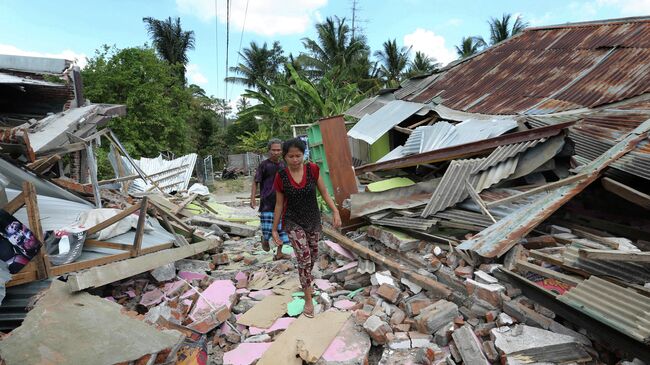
[{"x": 354, "y": 15}]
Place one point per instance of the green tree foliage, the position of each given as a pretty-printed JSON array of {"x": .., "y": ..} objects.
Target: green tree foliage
[
  {"x": 469, "y": 46},
  {"x": 158, "y": 108},
  {"x": 393, "y": 61},
  {"x": 336, "y": 54},
  {"x": 171, "y": 41},
  {"x": 259, "y": 65},
  {"x": 422, "y": 65},
  {"x": 500, "y": 29}
]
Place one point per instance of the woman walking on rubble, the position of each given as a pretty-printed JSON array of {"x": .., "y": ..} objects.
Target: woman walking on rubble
[{"x": 296, "y": 204}]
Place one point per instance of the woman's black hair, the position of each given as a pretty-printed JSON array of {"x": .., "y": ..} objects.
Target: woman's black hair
[{"x": 294, "y": 142}]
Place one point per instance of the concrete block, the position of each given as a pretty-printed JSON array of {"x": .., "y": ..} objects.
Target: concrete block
[
  {"x": 490, "y": 293},
  {"x": 484, "y": 278},
  {"x": 521, "y": 337},
  {"x": 468, "y": 346},
  {"x": 464, "y": 271},
  {"x": 398, "y": 340},
  {"x": 420, "y": 340},
  {"x": 414, "y": 307},
  {"x": 392, "y": 239},
  {"x": 435, "y": 316},
  {"x": 397, "y": 317},
  {"x": 377, "y": 329},
  {"x": 164, "y": 273}
]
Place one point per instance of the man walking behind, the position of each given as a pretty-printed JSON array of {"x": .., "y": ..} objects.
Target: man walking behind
[{"x": 264, "y": 176}]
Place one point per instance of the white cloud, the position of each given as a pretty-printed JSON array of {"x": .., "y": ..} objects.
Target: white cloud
[
  {"x": 543, "y": 20},
  {"x": 431, "y": 44},
  {"x": 78, "y": 58},
  {"x": 263, "y": 17},
  {"x": 194, "y": 75}
]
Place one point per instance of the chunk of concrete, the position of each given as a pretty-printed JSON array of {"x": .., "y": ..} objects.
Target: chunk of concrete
[
  {"x": 415, "y": 288},
  {"x": 279, "y": 325},
  {"x": 197, "y": 266},
  {"x": 377, "y": 329},
  {"x": 435, "y": 316},
  {"x": 382, "y": 277},
  {"x": 398, "y": 340},
  {"x": 392, "y": 238},
  {"x": 351, "y": 346},
  {"x": 468, "y": 346},
  {"x": 164, "y": 273},
  {"x": 521, "y": 337},
  {"x": 86, "y": 320},
  {"x": 389, "y": 292}
]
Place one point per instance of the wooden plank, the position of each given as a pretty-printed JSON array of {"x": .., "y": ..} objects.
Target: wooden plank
[
  {"x": 15, "y": 204},
  {"x": 527, "y": 266},
  {"x": 626, "y": 192},
  {"x": 41, "y": 165},
  {"x": 422, "y": 122},
  {"x": 477, "y": 199},
  {"x": 403, "y": 130},
  {"x": 148, "y": 250},
  {"x": 543, "y": 256},
  {"x": 111, "y": 245},
  {"x": 173, "y": 217},
  {"x": 23, "y": 277},
  {"x": 82, "y": 265},
  {"x": 117, "y": 179},
  {"x": 613, "y": 255},
  {"x": 34, "y": 217},
  {"x": 139, "y": 231},
  {"x": 537, "y": 190},
  {"x": 184, "y": 203},
  {"x": 230, "y": 227},
  {"x": 119, "y": 216},
  {"x": 438, "y": 289},
  {"x": 92, "y": 169},
  {"x": 98, "y": 276}
]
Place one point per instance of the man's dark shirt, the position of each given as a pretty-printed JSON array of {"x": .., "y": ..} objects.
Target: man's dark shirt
[{"x": 265, "y": 175}]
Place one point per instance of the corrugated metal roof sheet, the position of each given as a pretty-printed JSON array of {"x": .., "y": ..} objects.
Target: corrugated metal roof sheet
[
  {"x": 444, "y": 134},
  {"x": 626, "y": 271},
  {"x": 502, "y": 153},
  {"x": 501, "y": 236},
  {"x": 601, "y": 63},
  {"x": 371, "y": 127},
  {"x": 170, "y": 175},
  {"x": 11, "y": 79},
  {"x": 452, "y": 188},
  {"x": 619, "y": 307},
  {"x": 369, "y": 105}
]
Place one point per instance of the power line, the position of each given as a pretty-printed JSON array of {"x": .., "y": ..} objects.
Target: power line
[
  {"x": 216, "y": 42},
  {"x": 241, "y": 38},
  {"x": 227, "y": 44}
]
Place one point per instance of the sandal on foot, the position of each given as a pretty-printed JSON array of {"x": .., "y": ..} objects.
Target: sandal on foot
[{"x": 265, "y": 246}]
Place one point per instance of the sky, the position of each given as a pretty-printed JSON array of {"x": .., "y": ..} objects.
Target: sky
[{"x": 76, "y": 30}]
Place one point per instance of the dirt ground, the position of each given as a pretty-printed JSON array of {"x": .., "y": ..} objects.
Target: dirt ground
[{"x": 232, "y": 190}]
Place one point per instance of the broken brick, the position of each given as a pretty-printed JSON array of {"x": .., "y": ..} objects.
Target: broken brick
[{"x": 389, "y": 292}]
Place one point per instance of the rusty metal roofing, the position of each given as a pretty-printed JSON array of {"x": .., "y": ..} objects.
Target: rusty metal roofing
[
  {"x": 497, "y": 239},
  {"x": 365, "y": 203},
  {"x": 405, "y": 222},
  {"x": 503, "y": 153},
  {"x": 619, "y": 307},
  {"x": 548, "y": 70},
  {"x": 464, "y": 216}
]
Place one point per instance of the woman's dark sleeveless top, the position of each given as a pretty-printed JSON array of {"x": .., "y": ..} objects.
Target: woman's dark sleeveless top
[{"x": 301, "y": 204}]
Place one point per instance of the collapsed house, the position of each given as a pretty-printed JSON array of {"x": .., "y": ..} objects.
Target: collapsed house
[{"x": 502, "y": 218}]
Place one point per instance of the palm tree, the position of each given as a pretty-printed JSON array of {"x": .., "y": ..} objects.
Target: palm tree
[
  {"x": 242, "y": 104},
  {"x": 470, "y": 46},
  {"x": 500, "y": 28},
  {"x": 336, "y": 51},
  {"x": 259, "y": 65},
  {"x": 422, "y": 65},
  {"x": 392, "y": 60},
  {"x": 171, "y": 41}
]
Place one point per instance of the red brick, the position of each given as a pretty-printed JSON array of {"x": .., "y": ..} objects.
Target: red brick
[{"x": 389, "y": 292}]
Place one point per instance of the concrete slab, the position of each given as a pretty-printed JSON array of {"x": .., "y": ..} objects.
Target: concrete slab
[
  {"x": 344, "y": 304},
  {"x": 246, "y": 353},
  {"x": 107, "y": 335},
  {"x": 522, "y": 337},
  {"x": 351, "y": 346}
]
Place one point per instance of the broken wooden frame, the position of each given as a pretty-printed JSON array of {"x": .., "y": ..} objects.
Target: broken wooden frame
[{"x": 40, "y": 267}]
